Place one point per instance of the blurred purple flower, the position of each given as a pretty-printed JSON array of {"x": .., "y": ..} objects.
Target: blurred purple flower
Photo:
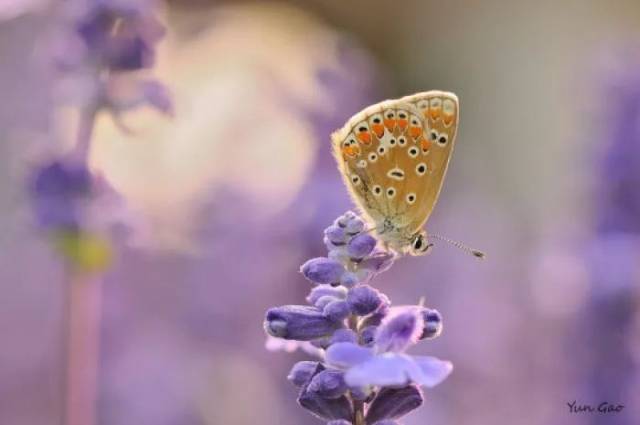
[
  {"x": 611, "y": 314},
  {"x": 120, "y": 36},
  {"x": 58, "y": 190},
  {"x": 361, "y": 337},
  {"x": 79, "y": 211},
  {"x": 102, "y": 49},
  {"x": 618, "y": 197}
]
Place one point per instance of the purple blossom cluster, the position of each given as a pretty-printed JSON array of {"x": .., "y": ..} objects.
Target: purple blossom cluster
[
  {"x": 363, "y": 374},
  {"x": 104, "y": 47}
]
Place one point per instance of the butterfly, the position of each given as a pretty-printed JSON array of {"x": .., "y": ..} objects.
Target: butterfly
[{"x": 393, "y": 157}]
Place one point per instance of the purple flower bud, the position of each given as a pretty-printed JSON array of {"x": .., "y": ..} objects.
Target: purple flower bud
[
  {"x": 361, "y": 246},
  {"x": 320, "y": 291},
  {"x": 363, "y": 300},
  {"x": 324, "y": 301},
  {"x": 302, "y": 372},
  {"x": 349, "y": 279},
  {"x": 328, "y": 384},
  {"x": 298, "y": 322},
  {"x": 378, "y": 262},
  {"x": 432, "y": 323},
  {"x": 339, "y": 254},
  {"x": 337, "y": 310},
  {"x": 336, "y": 235},
  {"x": 394, "y": 403},
  {"x": 399, "y": 330},
  {"x": 322, "y": 270},
  {"x": 326, "y": 408},
  {"x": 345, "y": 218},
  {"x": 368, "y": 335},
  {"x": 354, "y": 226},
  {"x": 344, "y": 335}
]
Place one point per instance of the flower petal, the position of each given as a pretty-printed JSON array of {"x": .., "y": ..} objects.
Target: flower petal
[
  {"x": 433, "y": 370},
  {"x": 399, "y": 330},
  {"x": 383, "y": 370},
  {"x": 347, "y": 354}
]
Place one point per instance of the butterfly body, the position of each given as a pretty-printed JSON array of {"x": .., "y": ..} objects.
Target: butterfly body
[{"x": 393, "y": 157}]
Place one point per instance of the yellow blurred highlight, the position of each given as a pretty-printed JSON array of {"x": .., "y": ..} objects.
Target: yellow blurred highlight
[{"x": 86, "y": 252}]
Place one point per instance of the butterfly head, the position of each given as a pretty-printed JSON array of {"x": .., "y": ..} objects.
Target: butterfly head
[{"x": 419, "y": 245}]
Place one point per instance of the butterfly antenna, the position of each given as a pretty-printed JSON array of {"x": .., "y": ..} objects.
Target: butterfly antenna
[{"x": 476, "y": 253}]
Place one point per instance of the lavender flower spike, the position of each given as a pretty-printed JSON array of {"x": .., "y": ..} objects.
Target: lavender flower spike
[{"x": 361, "y": 340}]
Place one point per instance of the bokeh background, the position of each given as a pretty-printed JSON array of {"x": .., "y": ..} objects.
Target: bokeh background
[{"x": 231, "y": 195}]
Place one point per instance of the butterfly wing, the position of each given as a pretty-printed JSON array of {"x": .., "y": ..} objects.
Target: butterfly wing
[
  {"x": 390, "y": 162},
  {"x": 355, "y": 149},
  {"x": 440, "y": 111}
]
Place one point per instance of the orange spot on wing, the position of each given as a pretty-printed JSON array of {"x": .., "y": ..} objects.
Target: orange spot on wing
[
  {"x": 415, "y": 131},
  {"x": 402, "y": 123},
  {"x": 447, "y": 119},
  {"x": 425, "y": 144},
  {"x": 351, "y": 151},
  {"x": 378, "y": 129},
  {"x": 390, "y": 124},
  {"x": 365, "y": 137},
  {"x": 434, "y": 113}
]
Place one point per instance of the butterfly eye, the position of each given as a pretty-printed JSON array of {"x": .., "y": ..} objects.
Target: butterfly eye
[
  {"x": 391, "y": 192},
  {"x": 419, "y": 245},
  {"x": 421, "y": 168},
  {"x": 413, "y": 152},
  {"x": 377, "y": 190},
  {"x": 442, "y": 140},
  {"x": 411, "y": 198}
]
